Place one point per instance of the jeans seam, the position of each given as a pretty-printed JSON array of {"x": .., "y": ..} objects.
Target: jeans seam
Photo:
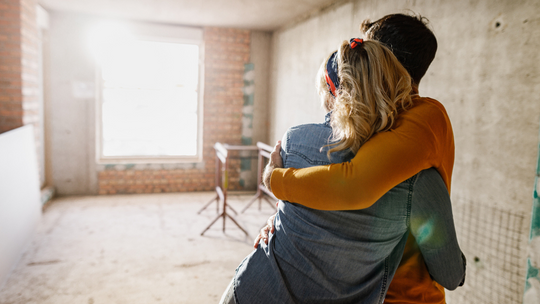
[
  {"x": 284, "y": 155},
  {"x": 384, "y": 281},
  {"x": 412, "y": 180},
  {"x": 234, "y": 293}
]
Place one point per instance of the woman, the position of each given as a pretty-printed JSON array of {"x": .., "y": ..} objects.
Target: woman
[{"x": 348, "y": 256}]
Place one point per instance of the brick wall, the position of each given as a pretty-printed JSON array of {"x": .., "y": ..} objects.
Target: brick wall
[
  {"x": 226, "y": 52},
  {"x": 11, "y": 110},
  {"x": 19, "y": 67},
  {"x": 30, "y": 69},
  {"x": 19, "y": 70}
]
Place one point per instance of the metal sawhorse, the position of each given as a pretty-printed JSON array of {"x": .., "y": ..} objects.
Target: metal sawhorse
[
  {"x": 222, "y": 183},
  {"x": 262, "y": 192}
]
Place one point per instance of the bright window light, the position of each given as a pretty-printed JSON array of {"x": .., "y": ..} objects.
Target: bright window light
[{"x": 149, "y": 95}]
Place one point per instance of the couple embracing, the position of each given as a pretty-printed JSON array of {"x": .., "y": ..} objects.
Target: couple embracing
[{"x": 365, "y": 213}]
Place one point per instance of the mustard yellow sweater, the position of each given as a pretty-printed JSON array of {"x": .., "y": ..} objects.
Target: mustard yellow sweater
[{"x": 421, "y": 138}]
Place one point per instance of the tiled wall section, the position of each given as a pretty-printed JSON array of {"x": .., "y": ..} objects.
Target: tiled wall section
[
  {"x": 226, "y": 52},
  {"x": 493, "y": 241}
]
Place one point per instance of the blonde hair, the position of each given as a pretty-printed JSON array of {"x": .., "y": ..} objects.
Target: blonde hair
[
  {"x": 373, "y": 87},
  {"x": 327, "y": 100}
]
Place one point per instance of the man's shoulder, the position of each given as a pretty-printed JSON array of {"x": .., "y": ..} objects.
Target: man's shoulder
[{"x": 426, "y": 112}]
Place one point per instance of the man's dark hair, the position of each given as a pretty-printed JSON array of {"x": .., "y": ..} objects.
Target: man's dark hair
[{"x": 409, "y": 38}]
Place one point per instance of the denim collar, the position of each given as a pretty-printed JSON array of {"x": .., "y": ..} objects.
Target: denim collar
[{"x": 327, "y": 118}]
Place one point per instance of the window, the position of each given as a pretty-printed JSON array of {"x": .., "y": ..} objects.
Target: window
[{"x": 149, "y": 106}]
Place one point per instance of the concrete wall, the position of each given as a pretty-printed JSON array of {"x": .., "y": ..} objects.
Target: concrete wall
[
  {"x": 296, "y": 56},
  {"x": 70, "y": 118},
  {"x": 486, "y": 73},
  {"x": 20, "y": 203}
]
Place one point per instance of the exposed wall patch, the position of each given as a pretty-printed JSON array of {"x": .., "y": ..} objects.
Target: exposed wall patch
[
  {"x": 247, "y": 176},
  {"x": 532, "y": 283}
]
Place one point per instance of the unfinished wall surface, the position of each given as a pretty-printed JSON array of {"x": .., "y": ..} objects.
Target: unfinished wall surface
[
  {"x": 72, "y": 116},
  {"x": 486, "y": 73},
  {"x": 255, "y": 107},
  {"x": 20, "y": 98},
  {"x": 18, "y": 62},
  {"x": 297, "y": 54},
  {"x": 260, "y": 57}
]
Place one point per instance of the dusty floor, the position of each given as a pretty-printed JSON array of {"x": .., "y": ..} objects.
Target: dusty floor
[{"x": 132, "y": 249}]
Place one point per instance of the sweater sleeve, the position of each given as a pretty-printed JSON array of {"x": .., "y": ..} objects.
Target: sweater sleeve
[{"x": 416, "y": 142}]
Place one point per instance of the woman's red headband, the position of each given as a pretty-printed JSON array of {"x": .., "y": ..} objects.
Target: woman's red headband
[{"x": 355, "y": 42}]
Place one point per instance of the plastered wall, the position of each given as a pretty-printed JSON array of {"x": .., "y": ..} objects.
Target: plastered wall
[
  {"x": 486, "y": 73},
  {"x": 20, "y": 204}
]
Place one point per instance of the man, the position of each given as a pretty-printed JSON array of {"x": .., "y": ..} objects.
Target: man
[{"x": 422, "y": 138}]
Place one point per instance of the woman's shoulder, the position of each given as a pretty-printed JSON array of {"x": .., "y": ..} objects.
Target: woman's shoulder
[
  {"x": 425, "y": 111},
  {"x": 427, "y": 104}
]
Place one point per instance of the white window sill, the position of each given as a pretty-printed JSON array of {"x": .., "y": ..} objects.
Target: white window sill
[{"x": 158, "y": 163}]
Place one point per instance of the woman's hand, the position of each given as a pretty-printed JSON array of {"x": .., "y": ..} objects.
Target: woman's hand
[
  {"x": 263, "y": 234},
  {"x": 275, "y": 162}
]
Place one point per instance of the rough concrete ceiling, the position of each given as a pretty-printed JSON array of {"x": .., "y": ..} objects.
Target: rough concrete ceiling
[{"x": 249, "y": 14}]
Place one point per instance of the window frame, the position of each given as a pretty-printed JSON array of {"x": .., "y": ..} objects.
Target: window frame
[{"x": 156, "y": 33}]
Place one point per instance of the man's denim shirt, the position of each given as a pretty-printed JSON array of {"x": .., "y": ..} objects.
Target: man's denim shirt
[{"x": 348, "y": 256}]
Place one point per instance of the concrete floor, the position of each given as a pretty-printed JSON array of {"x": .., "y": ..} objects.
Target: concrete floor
[{"x": 132, "y": 249}]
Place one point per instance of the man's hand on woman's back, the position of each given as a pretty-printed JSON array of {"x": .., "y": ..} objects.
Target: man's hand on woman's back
[{"x": 263, "y": 234}]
